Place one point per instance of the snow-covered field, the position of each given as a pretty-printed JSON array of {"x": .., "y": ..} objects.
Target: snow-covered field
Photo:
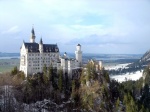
[
  {"x": 115, "y": 67},
  {"x": 131, "y": 76},
  {"x": 124, "y": 77}
]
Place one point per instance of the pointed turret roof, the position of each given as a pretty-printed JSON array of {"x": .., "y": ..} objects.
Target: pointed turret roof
[
  {"x": 41, "y": 42},
  {"x": 32, "y": 38},
  {"x": 78, "y": 45},
  {"x": 32, "y": 31}
]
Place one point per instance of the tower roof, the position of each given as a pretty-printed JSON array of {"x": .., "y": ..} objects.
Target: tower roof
[
  {"x": 32, "y": 31},
  {"x": 78, "y": 45},
  {"x": 41, "y": 42},
  {"x": 32, "y": 38},
  {"x": 34, "y": 47}
]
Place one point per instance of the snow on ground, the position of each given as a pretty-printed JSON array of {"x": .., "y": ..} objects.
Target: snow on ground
[
  {"x": 115, "y": 67},
  {"x": 124, "y": 77}
]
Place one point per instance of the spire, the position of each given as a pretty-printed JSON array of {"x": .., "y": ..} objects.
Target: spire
[
  {"x": 32, "y": 31},
  {"x": 41, "y": 42},
  {"x": 23, "y": 42},
  {"x": 32, "y": 38}
]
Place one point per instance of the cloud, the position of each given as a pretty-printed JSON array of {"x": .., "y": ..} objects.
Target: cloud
[
  {"x": 12, "y": 30},
  {"x": 95, "y": 39},
  {"x": 116, "y": 24}
]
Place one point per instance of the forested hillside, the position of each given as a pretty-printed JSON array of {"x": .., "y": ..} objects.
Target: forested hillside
[{"x": 52, "y": 91}]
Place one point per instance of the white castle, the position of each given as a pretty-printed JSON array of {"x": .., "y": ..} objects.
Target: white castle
[{"x": 34, "y": 56}]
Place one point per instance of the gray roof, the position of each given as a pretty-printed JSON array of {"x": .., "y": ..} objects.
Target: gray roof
[
  {"x": 78, "y": 45},
  {"x": 32, "y": 31},
  {"x": 34, "y": 47}
]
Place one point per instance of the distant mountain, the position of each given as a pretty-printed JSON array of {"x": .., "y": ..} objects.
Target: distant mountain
[
  {"x": 146, "y": 57},
  {"x": 143, "y": 61},
  {"x": 9, "y": 54}
]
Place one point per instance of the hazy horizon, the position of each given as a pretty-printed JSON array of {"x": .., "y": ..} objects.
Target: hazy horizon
[
  {"x": 101, "y": 27},
  {"x": 83, "y": 53}
]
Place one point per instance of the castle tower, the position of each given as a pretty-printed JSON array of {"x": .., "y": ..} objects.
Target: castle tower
[
  {"x": 32, "y": 38},
  {"x": 41, "y": 46},
  {"x": 65, "y": 55},
  {"x": 41, "y": 54},
  {"x": 78, "y": 54},
  {"x": 100, "y": 65}
]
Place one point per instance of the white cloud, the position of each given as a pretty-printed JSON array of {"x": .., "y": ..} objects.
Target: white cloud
[
  {"x": 12, "y": 30},
  {"x": 64, "y": 21}
]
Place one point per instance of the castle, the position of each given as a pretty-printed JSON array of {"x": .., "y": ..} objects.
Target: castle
[{"x": 34, "y": 56}]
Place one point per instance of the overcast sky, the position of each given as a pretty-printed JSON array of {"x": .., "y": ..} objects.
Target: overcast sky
[{"x": 100, "y": 26}]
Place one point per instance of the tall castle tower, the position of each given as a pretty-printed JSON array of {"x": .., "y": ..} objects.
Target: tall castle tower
[
  {"x": 32, "y": 38},
  {"x": 78, "y": 54}
]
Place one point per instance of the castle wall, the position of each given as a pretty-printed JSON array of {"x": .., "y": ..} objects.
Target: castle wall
[{"x": 33, "y": 62}]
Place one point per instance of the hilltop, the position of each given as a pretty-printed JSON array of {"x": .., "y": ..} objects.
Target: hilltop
[
  {"x": 91, "y": 90},
  {"x": 143, "y": 61},
  {"x": 134, "y": 66}
]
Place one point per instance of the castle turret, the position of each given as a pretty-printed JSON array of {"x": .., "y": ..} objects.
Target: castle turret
[
  {"x": 65, "y": 55},
  {"x": 100, "y": 65},
  {"x": 32, "y": 38},
  {"x": 41, "y": 54},
  {"x": 41, "y": 46},
  {"x": 78, "y": 54}
]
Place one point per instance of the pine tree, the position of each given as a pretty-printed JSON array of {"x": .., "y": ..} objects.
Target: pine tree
[
  {"x": 60, "y": 80},
  {"x": 45, "y": 76},
  {"x": 130, "y": 103},
  {"x": 50, "y": 72},
  {"x": 73, "y": 85},
  {"x": 44, "y": 69},
  {"x": 117, "y": 104},
  {"x": 14, "y": 71},
  {"x": 106, "y": 75},
  {"x": 73, "y": 89}
]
